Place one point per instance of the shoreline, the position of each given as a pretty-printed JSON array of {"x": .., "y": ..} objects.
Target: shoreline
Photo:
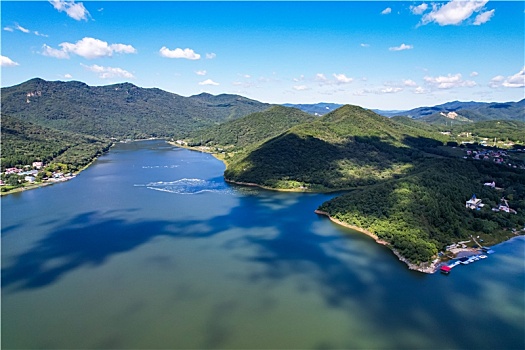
[
  {"x": 429, "y": 268},
  {"x": 251, "y": 184},
  {"x": 49, "y": 183}
]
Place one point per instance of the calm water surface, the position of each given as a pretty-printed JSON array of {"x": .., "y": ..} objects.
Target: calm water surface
[{"x": 150, "y": 248}]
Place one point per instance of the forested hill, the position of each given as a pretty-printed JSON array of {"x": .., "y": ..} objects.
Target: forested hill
[
  {"x": 120, "y": 110},
  {"x": 24, "y": 142},
  {"x": 348, "y": 147},
  {"x": 405, "y": 187},
  {"x": 422, "y": 212},
  {"x": 251, "y": 129}
]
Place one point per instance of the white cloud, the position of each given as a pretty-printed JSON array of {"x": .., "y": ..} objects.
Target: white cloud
[
  {"x": 401, "y": 47},
  {"x": 496, "y": 81},
  {"x": 455, "y": 12},
  {"x": 210, "y": 56},
  {"x": 378, "y": 91},
  {"x": 50, "y": 52},
  {"x": 386, "y": 11},
  {"x": 7, "y": 62},
  {"x": 417, "y": 10},
  {"x": 188, "y": 54},
  {"x": 108, "y": 72},
  {"x": 483, "y": 17},
  {"x": 22, "y": 29},
  {"x": 74, "y": 10},
  {"x": 200, "y": 72},
  {"x": 514, "y": 81},
  {"x": 88, "y": 48},
  {"x": 342, "y": 79},
  {"x": 320, "y": 77},
  {"x": 474, "y": 74},
  {"x": 121, "y": 48},
  {"x": 300, "y": 87},
  {"x": 247, "y": 76},
  {"x": 391, "y": 90},
  {"x": 365, "y": 45},
  {"x": 421, "y": 90},
  {"x": 448, "y": 82},
  {"x": 409, "y": 82},
  {"x": 208, "y": 82},
  {"x": 68, "y": 76}
]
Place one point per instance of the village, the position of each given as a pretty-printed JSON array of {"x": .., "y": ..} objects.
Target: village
[
  {"x": 36, "y": 173},
  {"x": 497, "y": 156}
]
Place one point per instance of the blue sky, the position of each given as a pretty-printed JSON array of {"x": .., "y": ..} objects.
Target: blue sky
[{"x": 387, "y": 55}]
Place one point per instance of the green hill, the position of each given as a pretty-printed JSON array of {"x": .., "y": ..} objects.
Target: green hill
[
  {"x": 348, "y": 147},
  {"x": 500, "y": 129},
  {"x": 24, "y": 142},
  {"x": 251, "y": 129},
  {"x": 120, "y": 110},
  {"x": 424, "y": 211},
  {"x": 403, "y": 187}
]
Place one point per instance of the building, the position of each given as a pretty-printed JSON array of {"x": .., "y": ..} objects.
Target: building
[{"x": 474, "y": 203}]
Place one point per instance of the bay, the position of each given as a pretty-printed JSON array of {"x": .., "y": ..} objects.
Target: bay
[{"x": 150, "y": 248}]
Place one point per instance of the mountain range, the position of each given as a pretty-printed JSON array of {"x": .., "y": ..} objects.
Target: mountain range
[
  {"x": 456, "y": 111},
  {"x": 120, "y": 110},
  {"x": 469, "y": 112}
]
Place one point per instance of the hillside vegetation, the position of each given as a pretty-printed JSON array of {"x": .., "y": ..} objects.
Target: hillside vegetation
[
  {"x": 251, "y": 129},
  {"x": 424, "y": 211},
  {"x": 24, "y": 142},
  {"x": 404, "y": 187},
  {"x": 120, "y": 110},
  {"x": 349, "y": 147}
]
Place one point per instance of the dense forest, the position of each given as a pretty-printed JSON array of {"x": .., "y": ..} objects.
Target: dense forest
[
  {"x": 23, "y": 143},
  {"x": 121, "y": 110},
  {"x": 346, "y": 148},
  {"x": 424, "y": 211},
  {"x": 251, "y": 129}
]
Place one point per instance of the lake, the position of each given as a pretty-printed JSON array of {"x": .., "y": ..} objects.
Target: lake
[{"x": 150, "y": 248}]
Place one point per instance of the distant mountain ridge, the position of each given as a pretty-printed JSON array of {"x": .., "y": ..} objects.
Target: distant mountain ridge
[
  {"x": 473, "y": 111},
  {"x": 120, "y": 110}
]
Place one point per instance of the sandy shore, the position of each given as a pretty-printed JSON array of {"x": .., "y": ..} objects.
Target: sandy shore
[
  {"x": 250, "y": 184},
  {"x": 424, "y": 267}
]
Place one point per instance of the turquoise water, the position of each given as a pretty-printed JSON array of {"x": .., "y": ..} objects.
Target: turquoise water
[{"x": 150, "y": 248}]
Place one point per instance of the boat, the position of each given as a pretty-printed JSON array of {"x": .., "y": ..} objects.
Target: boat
[{"x": 483, "y": 256}]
